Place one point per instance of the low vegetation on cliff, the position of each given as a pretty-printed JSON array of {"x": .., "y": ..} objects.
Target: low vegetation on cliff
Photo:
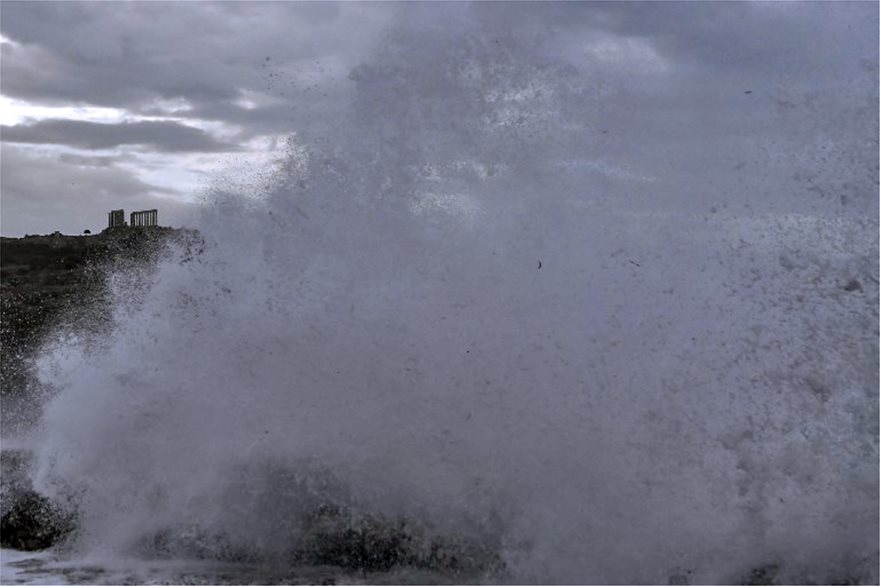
[{"x": 47, "y": 281}]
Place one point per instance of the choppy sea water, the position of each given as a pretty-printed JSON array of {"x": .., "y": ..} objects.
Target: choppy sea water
[{"x": 48, "y": 568}]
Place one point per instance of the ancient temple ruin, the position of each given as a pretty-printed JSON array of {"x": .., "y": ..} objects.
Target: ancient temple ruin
[
  {"x": 145, "y": 218},
  {"x": 141, "y": 218},
  {"x": 117, "y": 218}
]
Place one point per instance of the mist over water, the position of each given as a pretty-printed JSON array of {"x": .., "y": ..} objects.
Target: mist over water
[{"x": 467, "y": 300}]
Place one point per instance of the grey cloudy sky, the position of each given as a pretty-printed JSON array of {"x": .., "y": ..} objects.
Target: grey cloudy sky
[{"x": 151, "y": 104}]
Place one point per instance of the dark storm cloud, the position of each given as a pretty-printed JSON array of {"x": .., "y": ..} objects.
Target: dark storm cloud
[
  {"x": 93, "y": 161},
  {"x": 130, "y": 54},
  {"x": 752, "y": 37},
  {"x": 162, "y": 136},
  {"x": 299, "y": 114},
  {"x": 755, "y": 37}
]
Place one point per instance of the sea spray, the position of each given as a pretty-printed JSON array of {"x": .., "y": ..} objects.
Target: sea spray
[{"x": 449, "y": 310}]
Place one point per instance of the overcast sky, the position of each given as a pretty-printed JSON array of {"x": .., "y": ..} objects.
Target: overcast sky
[{"x": 153, "y": 105}]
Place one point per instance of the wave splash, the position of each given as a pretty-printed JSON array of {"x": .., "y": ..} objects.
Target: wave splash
[{"x": 446, "y": 312}]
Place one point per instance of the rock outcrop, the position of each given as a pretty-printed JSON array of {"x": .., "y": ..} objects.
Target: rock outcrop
[{"x": 34, "y": 522}]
